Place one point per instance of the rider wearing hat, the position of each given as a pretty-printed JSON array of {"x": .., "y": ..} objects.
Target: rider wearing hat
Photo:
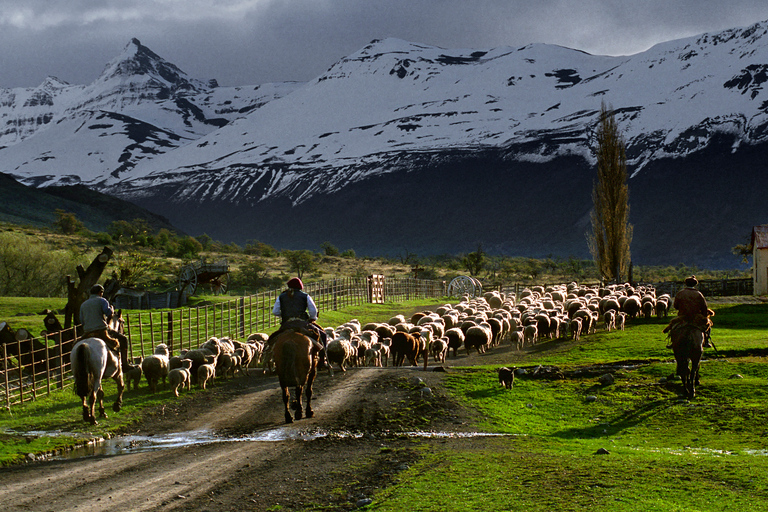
[
  {"x": 296, "y": 306},
  {"x": 692, "y": 309},
  {"x": 94, "y": 314}
]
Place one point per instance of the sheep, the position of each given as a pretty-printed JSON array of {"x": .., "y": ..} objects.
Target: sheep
[
  {"x": 455, "y": 339},
  {"x": 507, "y": 377},
  {"x": 383, "y": 349},
  {"x": 516, "y": 339},
  {"x": 609, "y": 317},
  {"x": 478, "y": 337},
  {"x": 207, "y": 371},
  {"x": 404, "y": 345},
  {"x": 530, "y": 334},
  {"x": 621, "y": 319},
  {"x": 373, "y": 356},
  {"x": 198, "y": 355},
  {"x": 180, "y": 377},
  {"x": 155, "y": 366},
  {"x": 575, "y": 328},
  {"x": 132, "y": 374},
  {"x": 439, "y": 349},
  {"x": 339, "y": 351}
]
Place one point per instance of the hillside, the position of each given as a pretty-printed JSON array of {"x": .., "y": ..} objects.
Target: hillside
[{"x": 20, "y": 204}]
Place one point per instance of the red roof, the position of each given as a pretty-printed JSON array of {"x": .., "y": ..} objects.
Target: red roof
[{"x": 760, "y": 237}]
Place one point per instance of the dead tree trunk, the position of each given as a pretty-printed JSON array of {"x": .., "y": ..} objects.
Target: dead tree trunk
[{"x": 78, "y": 293}]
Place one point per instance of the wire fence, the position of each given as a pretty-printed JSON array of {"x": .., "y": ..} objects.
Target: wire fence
[{"x": 32, "y": 367}]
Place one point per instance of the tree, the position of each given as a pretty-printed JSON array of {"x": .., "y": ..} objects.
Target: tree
[
  {"x": 300, "y": 261},
  {"x": 67, "y": 223},
  {"x": 474, "y": 262},
  {"x": 329, "y": 249},
  {"x": 611, "y": 232}
]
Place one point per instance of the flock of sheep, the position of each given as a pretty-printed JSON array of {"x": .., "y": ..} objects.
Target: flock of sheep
[{"x": 474, "y": 324}]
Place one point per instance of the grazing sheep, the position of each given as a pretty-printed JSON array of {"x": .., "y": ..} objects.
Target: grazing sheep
[
  {"x": 507, "y": 377},
  {"x": 207, "y": 371},
  {"x": 180, "y": 377},
  {"x": 155, "y": 367}
]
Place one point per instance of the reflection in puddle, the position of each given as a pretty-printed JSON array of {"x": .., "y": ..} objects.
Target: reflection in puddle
[{"x": 137, "y": 444}]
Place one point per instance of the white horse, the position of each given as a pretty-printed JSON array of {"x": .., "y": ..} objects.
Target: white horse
[{"x": 92, "y": 362}]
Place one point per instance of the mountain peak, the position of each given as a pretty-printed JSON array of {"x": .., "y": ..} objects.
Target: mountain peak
[{"x": 137, "y": 63}]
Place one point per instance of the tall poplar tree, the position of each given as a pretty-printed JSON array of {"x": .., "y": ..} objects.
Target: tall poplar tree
[{"x": 611, "y": 232}]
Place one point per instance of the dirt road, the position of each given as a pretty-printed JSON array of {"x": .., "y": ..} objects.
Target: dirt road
[{"x": 348, "y": 456}]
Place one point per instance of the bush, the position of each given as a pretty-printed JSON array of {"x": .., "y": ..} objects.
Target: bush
[{"x": 29, "y": 268}]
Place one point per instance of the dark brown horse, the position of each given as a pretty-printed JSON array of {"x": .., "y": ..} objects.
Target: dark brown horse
[
  {"x": 687, "y": 344},
  {"x": 295, "y": 358}
]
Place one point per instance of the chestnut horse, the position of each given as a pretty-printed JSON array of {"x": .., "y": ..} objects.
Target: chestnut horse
[
  {"x": 92, "y": 362},
  {"x": 295, "y": 358},
  {"x": 687, "y": 344}
]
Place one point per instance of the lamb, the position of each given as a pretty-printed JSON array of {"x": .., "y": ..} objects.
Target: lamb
[
  {"x": 383, "y": 349},
  {"x": 621, "y": 319},
  {"x": 207, "y": 371},
  {"x": 610, "y": 319},
  {"x": 373, "y": 356},
  {"x": 180, "y": 377},
  {"x": 132, "y": 374},
  {"x": 516, "y": 339},
  {"x": 439, "y": 349},
  {"x": 155, "y": 366}
]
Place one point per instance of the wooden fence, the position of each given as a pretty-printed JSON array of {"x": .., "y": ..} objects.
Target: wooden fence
[{"x": 186, "y": 328}]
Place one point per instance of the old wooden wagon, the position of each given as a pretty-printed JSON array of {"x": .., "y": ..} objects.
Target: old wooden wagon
[{"x": 201, "y": 273}]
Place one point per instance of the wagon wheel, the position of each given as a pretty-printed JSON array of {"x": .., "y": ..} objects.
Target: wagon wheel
[
  {"x": 464, "y": 285},
  {"x": 188, "y": 280},
  {"x": 219, "y": 284}
]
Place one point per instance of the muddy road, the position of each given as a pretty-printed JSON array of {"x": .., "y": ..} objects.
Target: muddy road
[{"x": 249, "y": 459}]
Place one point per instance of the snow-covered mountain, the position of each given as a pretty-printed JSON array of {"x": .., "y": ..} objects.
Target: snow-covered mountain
[{"x": 407, "y": 147}]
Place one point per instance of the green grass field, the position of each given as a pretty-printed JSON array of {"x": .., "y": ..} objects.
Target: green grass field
[{"x": 665, "y": 453}]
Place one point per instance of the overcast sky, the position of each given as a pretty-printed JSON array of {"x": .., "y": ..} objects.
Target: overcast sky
[{"x": 248, "y": 42}]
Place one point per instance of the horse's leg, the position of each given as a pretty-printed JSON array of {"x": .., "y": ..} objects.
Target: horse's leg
[
  {"x": 286, "y": 399},
  {"x": 120, "y": 388},
  {"x": 86, "y": 409},
  {"x": 308, "y": 390},
  {"x": 100, "y": 397},
  {"x": 297, "y": 403},
  {"x": 92, "y": 407}
]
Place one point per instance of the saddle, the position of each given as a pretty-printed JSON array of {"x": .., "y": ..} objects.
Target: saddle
[{"x": 300, "y": 326}]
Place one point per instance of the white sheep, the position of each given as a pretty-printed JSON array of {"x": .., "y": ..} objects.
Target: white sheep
[
  {"x": 180, "y": 377},
  {"x": 155, "y": 366},
  {"x": 207, "y": 371}
]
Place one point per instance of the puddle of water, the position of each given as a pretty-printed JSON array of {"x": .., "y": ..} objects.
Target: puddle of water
[{"x": 136, "y": 444}]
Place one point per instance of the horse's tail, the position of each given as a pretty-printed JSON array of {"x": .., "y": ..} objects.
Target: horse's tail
[
  {"x": 80, "y": 370},
  {"x": 287, "y": 371}
]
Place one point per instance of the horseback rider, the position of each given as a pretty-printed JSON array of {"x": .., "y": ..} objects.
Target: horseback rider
[
  {"x": 692, "y": 310},
  {"x": 95, "y": 312},
  {"x": 297, "y": 309}
]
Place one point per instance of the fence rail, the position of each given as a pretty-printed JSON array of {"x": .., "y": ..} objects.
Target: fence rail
[{"x": 186, "y": 328}]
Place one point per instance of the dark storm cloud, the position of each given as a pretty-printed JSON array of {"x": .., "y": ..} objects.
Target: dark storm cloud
[{"x": 243, "y": 42}]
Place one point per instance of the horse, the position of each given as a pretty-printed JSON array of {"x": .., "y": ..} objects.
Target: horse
[
  {"x": 687, "y": 344},
  {"x": 295, "y": 357},
  {"x": 91, "y": 362}
]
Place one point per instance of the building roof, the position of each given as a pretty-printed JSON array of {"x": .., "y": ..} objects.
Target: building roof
[{"x": 760, "y": 237}]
